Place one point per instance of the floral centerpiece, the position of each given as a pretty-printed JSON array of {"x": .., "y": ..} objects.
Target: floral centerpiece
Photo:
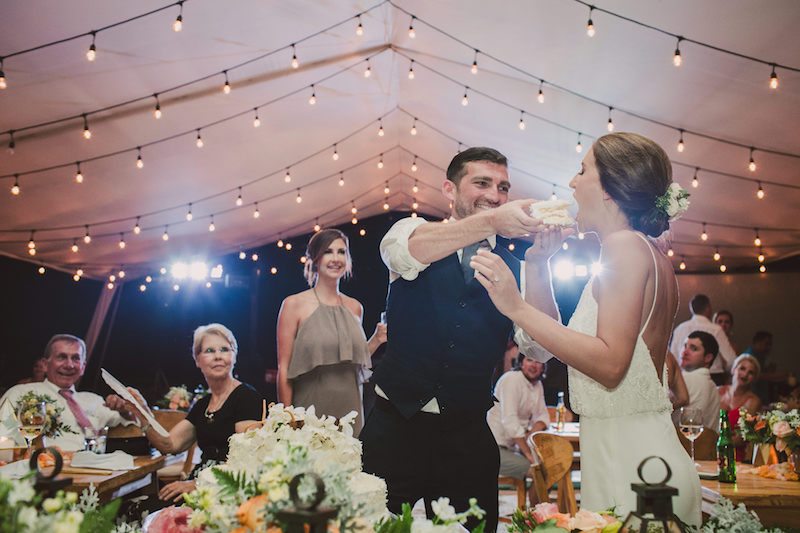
[
  {"x": 776, "y": 427},
  {"x": 545, "y": 518},
  {"x": 445, "y": 520},
  {"x": 177, "y": 398},
  {"x": 53, "y": 426}
]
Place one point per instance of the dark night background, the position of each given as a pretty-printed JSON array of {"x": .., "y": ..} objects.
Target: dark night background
[{"x": 149, "y": 343}]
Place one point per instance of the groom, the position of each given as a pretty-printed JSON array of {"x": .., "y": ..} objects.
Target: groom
[{"x": 427, "y": 435}]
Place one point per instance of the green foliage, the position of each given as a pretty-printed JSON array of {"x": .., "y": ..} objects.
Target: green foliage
[
  {"x": 101, "y": 520},
  {"x": 233, "y": 482},
  {"x": 397, "y": 524}
]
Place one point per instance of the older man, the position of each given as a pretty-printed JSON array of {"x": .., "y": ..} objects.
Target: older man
[{"x": 78, "y": 411}]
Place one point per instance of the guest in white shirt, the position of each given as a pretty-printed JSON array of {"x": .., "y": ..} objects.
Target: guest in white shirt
[
  {"x": 700, "y": 307},
  {"x": 520, "y": 410},
  {"x": 699, "y": 351},
  {"x": 66, "y": 362}
]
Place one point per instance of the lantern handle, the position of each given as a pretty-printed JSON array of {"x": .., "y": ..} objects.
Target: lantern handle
[
  {"x": 645, "y": 461},
  {"x": 34, "y": 463},
  {"x": 319, "y": 491}
]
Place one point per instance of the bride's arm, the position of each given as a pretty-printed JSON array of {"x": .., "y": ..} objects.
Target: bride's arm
[
  {"x": 538, "y": 286},
  {"x": 606, "y": 356}
]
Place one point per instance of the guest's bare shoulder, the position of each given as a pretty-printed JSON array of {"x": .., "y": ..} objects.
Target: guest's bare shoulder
[{"x": 353, "y": 305}]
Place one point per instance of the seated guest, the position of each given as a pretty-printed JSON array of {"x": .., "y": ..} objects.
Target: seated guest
[
  {"x": 65, "y": 357},
  {"x": 231, "y": 407},
  {"x": 739, "y": 395},
  {"x": 699, "y": 351},
  {"x": 700, "y": 306},
  {"x": 520, "y": 411},
  {"x": 724, "y": 319},
  {"x": 38, "y": 372}
]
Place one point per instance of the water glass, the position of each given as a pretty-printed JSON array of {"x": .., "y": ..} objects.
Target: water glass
[{"x": 95, "y": 439}]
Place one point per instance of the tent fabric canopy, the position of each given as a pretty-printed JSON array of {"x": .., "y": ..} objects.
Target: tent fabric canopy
[{"x": 308, "y": 164}]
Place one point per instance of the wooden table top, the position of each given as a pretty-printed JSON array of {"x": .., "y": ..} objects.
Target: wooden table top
[
  {"x": 571, "y": 431},
  {"x": 108, "y": 483}
]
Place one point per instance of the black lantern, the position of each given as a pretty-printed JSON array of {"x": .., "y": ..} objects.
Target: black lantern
[
  {"x": 653, "y": 505},
  {"x": 306, "y": 513},
  {"x": 46, "y": 484}
]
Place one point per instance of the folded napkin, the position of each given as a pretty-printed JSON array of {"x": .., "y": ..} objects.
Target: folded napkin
[
  {"x": 14, "y": 470},
  {"x": 118, "y": 460}
]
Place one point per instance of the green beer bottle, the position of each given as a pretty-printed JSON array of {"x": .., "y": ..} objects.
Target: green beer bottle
[{"x": 726, "y": 456}]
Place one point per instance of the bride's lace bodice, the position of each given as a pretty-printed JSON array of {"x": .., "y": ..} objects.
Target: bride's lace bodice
[{"x": 639, "y": 391}]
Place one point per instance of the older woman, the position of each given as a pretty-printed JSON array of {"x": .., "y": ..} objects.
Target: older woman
[
  {"x": 739, "y": 395},
  {"x": 231, "y": 407}
]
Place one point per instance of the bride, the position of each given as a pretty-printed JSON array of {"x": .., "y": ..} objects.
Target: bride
[{"x": 616, "y": 342}]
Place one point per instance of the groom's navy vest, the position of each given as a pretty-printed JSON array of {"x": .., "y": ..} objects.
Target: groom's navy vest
[{"x": 445, "y": 338}]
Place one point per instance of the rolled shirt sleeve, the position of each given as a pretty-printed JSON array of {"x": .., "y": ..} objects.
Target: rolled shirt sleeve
[
  {"x": 530, "y": 347},
  {"x": 394, "y": 250}
]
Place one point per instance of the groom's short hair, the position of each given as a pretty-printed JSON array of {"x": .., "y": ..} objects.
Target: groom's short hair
[
  {"x": 458, "y": 166},
  {"x": 710, "y": 344}
]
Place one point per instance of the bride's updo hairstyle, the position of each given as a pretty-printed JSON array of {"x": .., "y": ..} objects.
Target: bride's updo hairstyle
[
  {"x": 635, "y": 171},
  {"x": 320, "y": 242}
]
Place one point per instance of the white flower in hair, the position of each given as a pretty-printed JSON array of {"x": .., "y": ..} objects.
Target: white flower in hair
[{"x": 674, "y": 202}]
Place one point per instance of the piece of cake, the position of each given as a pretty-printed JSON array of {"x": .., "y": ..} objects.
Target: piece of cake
[{"x": 553, "y": 212}]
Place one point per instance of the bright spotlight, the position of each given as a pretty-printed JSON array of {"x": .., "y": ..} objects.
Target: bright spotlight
[
  {"x": 581, "y": 271},
  {"x": 179, "y": 270},
  {"x": 216, "y": 272},
  {"x": 564, "y": 270},
  {"x": 596, "y": 268},
  {"x": 198, "y": 270}
]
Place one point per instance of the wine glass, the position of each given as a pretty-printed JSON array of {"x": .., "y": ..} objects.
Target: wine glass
[
  {"x": 691, "y": 425},
  {"x": 32, "y": 417}
]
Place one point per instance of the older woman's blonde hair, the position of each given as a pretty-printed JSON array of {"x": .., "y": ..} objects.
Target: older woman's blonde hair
[
  {"x": 746, "y": 357},
  {"x": 213, "y": 329}
]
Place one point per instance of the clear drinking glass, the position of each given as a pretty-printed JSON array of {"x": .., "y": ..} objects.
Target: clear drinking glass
[
  {"x": 32, "y": 418},
  {"x": 95, "y": 439},
  {"x": 691, "y": 425}
]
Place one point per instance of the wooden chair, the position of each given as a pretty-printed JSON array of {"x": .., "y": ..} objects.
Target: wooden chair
[
  {"x": 555, "y": 454},
  {"x": 569, "y": 416},
  {"x": 705, "y": 447},
  {"x": 519, "y": 486},
  {"x": 176, "y": 470}
]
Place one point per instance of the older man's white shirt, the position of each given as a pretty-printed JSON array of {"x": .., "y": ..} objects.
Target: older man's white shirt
[
  {"x": 722, "y": 363},
  {"x": 521, "y": 405},
  {"x": 703, "y": 395},
  {"x": 91, "y": 404}
]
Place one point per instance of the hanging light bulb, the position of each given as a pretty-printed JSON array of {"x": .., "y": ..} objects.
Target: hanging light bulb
[
  {"x": 139, "y": 161},
  {"x": 239, "y": 200},
  {"x": 474, "y": 67},
  {"x": 760, "y": 192},
  {"x": 773, "y": 79},
  {"x": 162, "y": 270},
  {"x": 581, "y": 235},
  {"x": 91, "y": 54},
  {"x": 380, "y": 161},
  {"x": 295, "y": 62},
  {"x": 211, "y": 225},
  {"x": 681, "y": 145},
  {"x": 757, "y": 240},
  {"x": 317, "y": 227},
  {"x": 178, "y": 24},
  {"x": 87, "y": 133},
  {"x": 288, "y": 246},
  {"x": 280, "y": 243},
  {"x": 610, "y": 125},
  {"x": 3, "y": 82},
  {"x": 359, "y": 28},
  {"x": 256, "y": 212},
  {"x": 353, "y": 208},
  {"x": 381, "y": 133},
  {"x": 313, "y": 98},
  {"x": 695, "y": 181},
  {"x": 273, "y": 270},
  {"x": 76, "y": 277},
  {"x": 137, "y": 229},
  {"x": 465, "y": 99},
  {"x": 540, "y": 96},
  {"x": 87, "y": 238},
  {"x": 682, "y": 266},
  {"x": 761, "y": 255},
  {"x": 386, "y": 189},
  {"x": 199, "y": 142},
  {"x": 11, "y": 143},
  {"x": 670, "y": 252},
  {"x": 565, "y": 245},
  {"x": 590, "y": 31},
  {"x": 411, "y": 70},
  {"x": 762, "y": 268},
  {"x": 41, "y": 270},
  {"x": 78, "y": 173},
  {"x": 413, "y": 214},
  {"x": 31, "y": 242},
  {"x": 386, "y": 204},
  {"x": 15, "y": 189},
  {"x": 414, "y": 127},
  {"x": 414, "y": 165},
  {"x": 148, "y": 279},
  {"x": 723, "y": 268},
  {"x": 335, "y": 155},
  {"x": 415, "y": 188},
  {"x": 411, "y": 32},
  {"x": 341, "y": 179},
  {"x": 254, "y": 257},
  {"x": 415, "y": 204},
  {"x": 165, "y": 235},
  {"x": 553, "y": 194},
  {"x": 74, "y": 246},
  {"x": 121, "y": 274},
  {"x": 256, "y": 120},
  {"x": 157, "y": 108},
  {"x": 368, "y": 70},
  {"x": 79, "y": 272},
  {"x": 677, "y": 60},
  {"x": 521, "y": 124},
  {"x": 288, "y": 177},
  {"x": 122, "y": 241},
  {"x": 362, "y": 232},
  {"x": 299, "y": 198},
  {"x": 704, "y": 234},
  {"x": 142, "y": 287},
  {"x": 189, "y": 215},
  {"x": 752, "y": 164},
  {"x": 716, "y": 256},
  {"x": 579, "y": 146}
]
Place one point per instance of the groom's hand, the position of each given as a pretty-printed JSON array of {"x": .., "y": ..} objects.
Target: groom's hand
[
  {"x": 513, "y": 219},
  {"x": 547, "y": 242}
]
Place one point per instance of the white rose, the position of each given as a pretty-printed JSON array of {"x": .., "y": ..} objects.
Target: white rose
[
  {"x": 21, "y": 491},
  {"x": 27, "y": 517},
  {"x": 51, "y": 505}
]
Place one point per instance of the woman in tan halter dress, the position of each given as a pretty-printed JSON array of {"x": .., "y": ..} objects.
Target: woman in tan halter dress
[{"x": 323, "y": 353}]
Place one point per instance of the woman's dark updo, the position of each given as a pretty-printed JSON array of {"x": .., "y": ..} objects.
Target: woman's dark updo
[
  {"x": 316, "y": 248},
  {"x": 635, "y": 171}
]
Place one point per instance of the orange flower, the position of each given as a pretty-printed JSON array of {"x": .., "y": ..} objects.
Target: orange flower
[
  {"x": 761, "y": 424},
  {"x": 251, "y": 513}
]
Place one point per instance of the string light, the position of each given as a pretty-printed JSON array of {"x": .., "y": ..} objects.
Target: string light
[
  {"x": 11, "y": 143},
  {"x": 414, "y": 127},
  {"x": 280, "y": 243},
  {"x": 380, "y": 161},
  {"x": 157, "y": 109},
  {"x": 242, "y": 255},
  {"x": 414, "y": 166},
  {"x": 256, "y": 212},
  {"x": 288, "y": 177},
  {"x": 465, "y": 99},
  {"x": 360, "y": 27},
  {"x": 353, "y": 208},
  {"x": 122, "y": 243},
  {"x": 15, "y": 189},
  {"x": 368, "y": 70},
  {"x": 256, "y": 120},
  {"x": 142, "y": 287},
  {"x": 87, "y": 238},
  {"x": 41, "y": 270},
  {"x": 137, "y": 229},
  {"x": 74, "y": 246},
  {"x": 139, "y": 161},
  {"x": 415, "y": 204},
  {"x": 761, "y": 255},
  {"x": 723, "y": 268},
  {"x": 716, "y": 256},
  {"x": 677, "y": 59},
  {"x": 313, "y": 98},
  {"x": 76, "y": 277},
  {"x": 165, "y": 235},
  {"x": 413, "y": 214},
  {"x": 565, "y": 245},
  {"x": 299, "y": 198},
  {"x": 176, "y": 287},
  {"x": 78, "y": 173},
  {"x": 757, "y": 240},
  {"x": 411, "y": 70},
  {"x": 581, "y": 235},
  {"x": 341, "y": 179},
  {"x": 79, "y": 272},
  {"x": 695, "y": 181},
  {"x": 254, "y": 257},
  {"x": 415, "y": 188},
  {"x": 704, "y": 235},
  {"x": 386, "y": 204},
  {"x": 31, "y": 242},
  {"x": 3, "y": 82},
  {"x": 335, "y": 155},
  {"x": 411, "y": 32},
  {"x": 288, "y": 246},
  {"x": 760, "y": 192},
  {"x": 579, "y": 146},
  {"x": 610, "y": 125},
  {"x": 199, "y": 142},
  {"x": 91, "y": 54},
  {"x": 670, "y": 252},
  {"x": 522, "y": 120},
  {"x": 682, "y": 266},
  {"x": 540, "y": 96},
  {"x": 121, "y": 273},
  {"x": 317, "y": 227},
  {"x": 239, "y": 200},
  {"x": 273, "y": 270},
  {"x": 87, "y": 133},
  {"x": 386, "y": 189},
  {"x": 295, "y": 62},
  {"x": 162, "y": 270},
  {"x": 211, "y": 225},
  {"x": 178, "y": 24},
  {"x": 362, "y": 232},
  {"x": 189, "y": 215},
  {"x": 474, "y": 68},
  {"x": 681, "y": 145},
  {"x": 511, "y": 246},
  {"x": 773, "y": 81},
  {"x": 752, "y": 164},
  {"x": 381, "y": 133},
  {"x": 148, "y": 279},
  {"x": 762, "y": 268},
  {"x": 590, "y": 31},
  {"x": 553, "y": 195}
]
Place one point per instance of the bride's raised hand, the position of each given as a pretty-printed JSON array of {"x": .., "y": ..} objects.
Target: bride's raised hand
[
  {"x": 495, "y": 276},
  {"x": 547, "y": 242}
]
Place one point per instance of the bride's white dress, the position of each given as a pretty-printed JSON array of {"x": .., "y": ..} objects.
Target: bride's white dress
[{"x": 622, "y": 426}]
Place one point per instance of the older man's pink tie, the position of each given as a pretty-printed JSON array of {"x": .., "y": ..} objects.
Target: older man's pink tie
[{"x": 80, "y": 416}]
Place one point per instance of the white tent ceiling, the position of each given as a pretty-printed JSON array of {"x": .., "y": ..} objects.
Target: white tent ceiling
[{"x": 625, "y": 66}]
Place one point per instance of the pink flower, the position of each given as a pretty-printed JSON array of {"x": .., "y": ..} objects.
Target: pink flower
[
  {"x": 585, "y": 520},
  {"x": 782, "y": 428},
  {"x": 543, "y": 512},
  {"x": 780, "y": 444},
  {"x": 173, "y": 520}
]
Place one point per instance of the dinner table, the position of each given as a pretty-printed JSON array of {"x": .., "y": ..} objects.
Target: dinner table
[
  {"x": 775, "y": 501},
  {"x": 111, "y": 484}
]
